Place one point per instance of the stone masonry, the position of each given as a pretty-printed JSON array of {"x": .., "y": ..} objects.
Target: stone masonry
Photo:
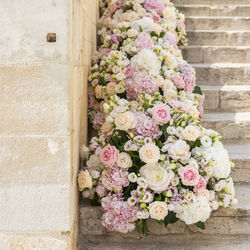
[
  {"x": 219, "y": 50},
  {"x": 43, "y": 104}
]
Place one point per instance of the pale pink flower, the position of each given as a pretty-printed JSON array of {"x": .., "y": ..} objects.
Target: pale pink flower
[
  {"x": 161, "y": 113},
  {"x": 181, "y": 25},
  {"x": 108, "y": 156},
  {"x": 178, "y": 81},
  {"x": 201, "y": 185},
  {"x": 157, "y": 5},
  {"x": 129, "y": 71},
  {"x": 189, "y": 176},
  {"x": 181, "y": 106}
]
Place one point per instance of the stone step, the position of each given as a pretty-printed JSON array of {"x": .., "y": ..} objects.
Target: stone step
[
  {"x": 232, "y": 126},
  {"x": 230, "y": 221},
  {"x": 211, "y": 2},
  {"x": 175, "y": 242},
  {"x": 240, "y": 155},
  {"x": 216, "y": 54},
  {"x": 217, "y": 23},
  {"x": 222, "y": 74},
  {"x": 218, "y": 38},
  {"x": 215, "y": 10},
  {"x": 235, "y": 98}
]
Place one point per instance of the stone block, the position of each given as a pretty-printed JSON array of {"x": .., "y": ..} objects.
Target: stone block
[
  {"x": 31, "y": 160},
  {"x": 34, "y": 207}
]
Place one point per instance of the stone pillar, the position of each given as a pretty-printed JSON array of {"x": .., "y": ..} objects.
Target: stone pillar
[{"x": 43, "y": 106}]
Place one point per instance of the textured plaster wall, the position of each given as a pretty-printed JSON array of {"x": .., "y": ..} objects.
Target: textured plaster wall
[{"x": 43, "y": 118}]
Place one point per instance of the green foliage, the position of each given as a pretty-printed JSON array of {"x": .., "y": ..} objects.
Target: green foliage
[
  {"x": 95, "y": 201},
  {"x": 200, "y": 225},
  {"x": 142, "y": 227},
  {"x": 170, "y": 218},
  {"x": 197, "y": 90}
]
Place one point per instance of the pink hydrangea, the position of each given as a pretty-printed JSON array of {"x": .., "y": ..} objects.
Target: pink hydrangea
[
  {"x": 144, "y": 41},
  {"x": 157, "y": 5},
  {"x": 188, "y": 75},
  {"x": 201, "y": 185},
  {"x": 98, "y": 120},
  {"x": 161, "y": 113},
  {"x": 189, "y": 176},
  {"x": 129, "y": 71},
  {"x": 101, "y": 190},
  {"x": 179, "y": 82},
  {"x": 115, "y": 38},
  {"x": 119, "y": 215},
  {"x": 138, "y": 83},
  {"x": 146, "y": 126},
  {"x": 108, "y": 155},
  {"x": 115, "y": 179},
  {"x": 181, "y": 106}
]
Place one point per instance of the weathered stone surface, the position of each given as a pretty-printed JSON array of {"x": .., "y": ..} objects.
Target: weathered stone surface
[
  {"x": 227, "y": 98},
  {"x": 222, "y": 74},
  {"x": 216, "y": 54},
  {"x": 210, "y": 2},
  {"x": 11, "y": 241},
  {"x": 219, "y": 38},
  {"x": 34, "y": 207},
  {"x": 40, "y": 160},
  {"x": 210, "y": 10},
  {"x": 217, "y": 23}
]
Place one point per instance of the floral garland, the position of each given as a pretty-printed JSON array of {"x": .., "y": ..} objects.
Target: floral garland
[{"x": 151, "y": 158}]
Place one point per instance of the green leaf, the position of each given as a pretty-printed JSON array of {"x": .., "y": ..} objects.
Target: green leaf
[
  {"x": 158, "y": 198},
  {"x": 197, "y": 90},
  {"x": 95, "y": 201},
  {"x": 142, "y": 227},
  {"x": 162, "y": 34},
  {"x": 160, "y": 222},
  {"x": 170, "y": 218},
  {"x": 200, "y": 225}
]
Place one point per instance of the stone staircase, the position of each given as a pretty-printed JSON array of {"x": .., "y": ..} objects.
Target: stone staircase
[{"x": 219, "y": 39}]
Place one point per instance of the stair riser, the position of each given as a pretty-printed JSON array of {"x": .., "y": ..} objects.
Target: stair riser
[
  {"x": 227, "y": 100},
  {"x": 208, "y": 75},
  {"x": 234, "y": 11},
  {"x": 210, "y": 38},
  {"x": 234, "y": 130},
  {"x": 211, "y": 2},
  {"x": 90, "y": 218},
  {"x": 217, "y": 24},
  {"x": 216, "y": 54}
]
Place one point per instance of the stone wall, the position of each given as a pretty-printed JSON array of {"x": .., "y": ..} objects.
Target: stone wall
[{"x": 43, "y": 104}]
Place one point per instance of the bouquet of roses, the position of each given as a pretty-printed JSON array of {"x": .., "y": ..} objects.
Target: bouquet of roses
[{"x": 151, "y": 158}]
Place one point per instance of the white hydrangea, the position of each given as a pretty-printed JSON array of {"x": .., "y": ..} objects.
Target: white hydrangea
[
  {"x": 197, "y": 210},
  {"x": 146, "y": 24},
  {"x": 146, "y": 60}
]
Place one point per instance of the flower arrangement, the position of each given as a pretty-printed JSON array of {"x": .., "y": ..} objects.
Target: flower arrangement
[{"x": 151, "y": 157}]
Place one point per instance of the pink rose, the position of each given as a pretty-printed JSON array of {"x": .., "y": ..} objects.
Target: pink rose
[
  {"x": 181, "y": 106},
  {"x": 108, "y": 156},
  {"x": 181, "y": 25},
  {"x": 129, "y": 71},
  {"x": 178, "y": 81},
  {"x": 189, "y": 176},
  {"x": 156, "y": 19},
  {"x": 201, "y": 185},
  {"x": 161, "y": 113}
]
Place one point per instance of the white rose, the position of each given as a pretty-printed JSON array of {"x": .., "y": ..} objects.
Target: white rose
[
  {"x": 145, "y": 23},
  {"x": 94, "y": 163},
  {"x": 111, "y": 88},
  {"x": 158, "y": 210},
  {"x": 125, "y": 121},
  {"x": 124, "y": 160},
  {"x": 191, "y": 133},
  {"x": 169, "y": 13},
  {"x": 156, "y": 176},
  {"x": 146, "y": 60},
  {"x": 157, "y": 28},
  {"x": 170, "y": 94},
  {"x": 84, "y": 180},
  {"x": 149, "y": 153},
  {"x": 179, "y": 150}
]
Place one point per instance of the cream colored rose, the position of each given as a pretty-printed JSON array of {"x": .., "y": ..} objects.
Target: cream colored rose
[
  {"x": 158, "y": 210},
  {"x": 191, "y": 133},
  {"x": 132, "y": 16},
  {"x": 124, "y": 161},
  {"x": 132, "y": 33},
  {"x": 179, "y": 150},
  {"x": 111, "y": 88},
  {"x": 84, "y": 180},
  {"x": 125, "y": 121},
  {"x": 169, "y": 13},
  {"x": 157, "y": 177},
  {"x": 98, "y": 92},
  {"x": 107, "y": 127},
  {"x": 149, "y": 153},
  {"x": 170, "y": 95},
  {"x": 157, "y": 28}
]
